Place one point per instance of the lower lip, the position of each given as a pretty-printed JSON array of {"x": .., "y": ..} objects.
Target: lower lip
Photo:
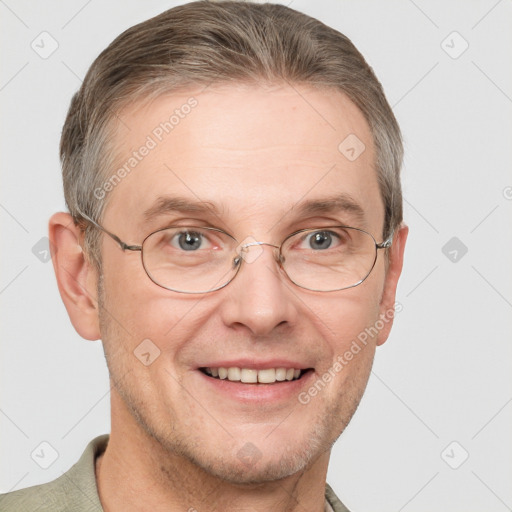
[{"x": 250, "y": 393}]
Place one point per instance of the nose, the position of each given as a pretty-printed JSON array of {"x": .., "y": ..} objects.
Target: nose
[{"x": 259, "y": 299}]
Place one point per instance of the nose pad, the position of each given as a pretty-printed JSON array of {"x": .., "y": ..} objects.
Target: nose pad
[{"x": 250, "y": 249}]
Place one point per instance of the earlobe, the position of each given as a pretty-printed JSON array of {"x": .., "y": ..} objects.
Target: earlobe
[
  {"x": 387, "y": 304},
  {"x": 76, "y": 277}
]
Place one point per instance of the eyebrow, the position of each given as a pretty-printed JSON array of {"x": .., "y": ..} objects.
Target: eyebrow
[
  {"x": 340, "y": 203},
  {"x": 169, "y": 204}
]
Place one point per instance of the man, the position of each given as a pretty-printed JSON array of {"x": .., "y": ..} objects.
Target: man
[{"x": 235, "y": 239}]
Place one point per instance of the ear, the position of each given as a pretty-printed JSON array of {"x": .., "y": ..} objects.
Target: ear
[
  {"x": 387, "y": 303},
  {"x": 76, "y": 278}
]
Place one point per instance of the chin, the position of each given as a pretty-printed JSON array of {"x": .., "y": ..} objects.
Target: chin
[
  {"x": 269, "y": 468},
  {"x": 261, "y": 461}
]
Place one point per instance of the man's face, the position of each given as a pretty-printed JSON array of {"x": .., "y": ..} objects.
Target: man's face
[{"x": 257, "y": 155}]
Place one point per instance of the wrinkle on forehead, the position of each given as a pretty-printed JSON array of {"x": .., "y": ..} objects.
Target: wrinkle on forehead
[{"x": 250, "y": 152}]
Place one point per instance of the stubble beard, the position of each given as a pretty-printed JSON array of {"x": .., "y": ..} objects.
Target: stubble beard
[{"x": 177, "y": 446}]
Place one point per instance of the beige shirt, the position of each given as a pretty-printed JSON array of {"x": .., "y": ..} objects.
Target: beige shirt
[{"x": 76, "y": 490}]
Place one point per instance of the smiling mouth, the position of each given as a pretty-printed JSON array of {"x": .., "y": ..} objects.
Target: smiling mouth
[{"x": 253, "y": 376}]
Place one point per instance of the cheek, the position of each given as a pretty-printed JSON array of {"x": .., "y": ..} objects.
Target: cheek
[
  {"x": 137, "y": 310},
  {"x": 348, "y": 327},
  {"x": 139, "y": 306},
  {"x": 344, "y": 316}
]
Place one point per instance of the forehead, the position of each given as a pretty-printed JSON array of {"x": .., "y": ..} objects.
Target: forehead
[{"x": 253, "y": 153}]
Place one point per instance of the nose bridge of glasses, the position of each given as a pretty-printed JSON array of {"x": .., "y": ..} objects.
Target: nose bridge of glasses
[
  {"x": 243, "y": 247},
  {"x": 244, "y": 253}
]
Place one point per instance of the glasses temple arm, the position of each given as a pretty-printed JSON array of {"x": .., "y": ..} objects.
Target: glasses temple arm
[
  {"x": 387, "y": 243},
  {"x": 124, "y": 246}
]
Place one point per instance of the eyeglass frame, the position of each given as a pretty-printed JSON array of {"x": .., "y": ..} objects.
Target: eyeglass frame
[{"x": 134, "y": 248}]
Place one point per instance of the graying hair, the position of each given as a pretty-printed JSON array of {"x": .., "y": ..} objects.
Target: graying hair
[{"x": 207, "y": 42}]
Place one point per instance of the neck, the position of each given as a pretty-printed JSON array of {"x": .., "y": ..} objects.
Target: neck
[{"x": 137, "y": 473}]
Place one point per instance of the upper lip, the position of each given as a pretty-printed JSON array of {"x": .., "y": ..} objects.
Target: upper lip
[{"x": 254, "y": 364}]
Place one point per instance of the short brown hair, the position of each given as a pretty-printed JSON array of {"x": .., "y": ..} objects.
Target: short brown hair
[{"x": 206, "y": 42}]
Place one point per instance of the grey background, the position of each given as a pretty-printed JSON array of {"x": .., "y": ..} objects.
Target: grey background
[{"x": 445, "y": 373}]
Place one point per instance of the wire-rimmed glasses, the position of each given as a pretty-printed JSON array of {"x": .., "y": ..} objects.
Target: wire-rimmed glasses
[{"x": 198, "y": 259}]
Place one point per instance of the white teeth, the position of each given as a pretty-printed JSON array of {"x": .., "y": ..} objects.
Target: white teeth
[
  {"x": 247, "y": 375},
  {"x": 280, "y": 374},
  {"x": 267, "y": 376},
  {"x": 234, "y": 373},
  {"x": 251, "y": 376}
]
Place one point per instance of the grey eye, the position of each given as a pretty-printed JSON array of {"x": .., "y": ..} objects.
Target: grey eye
[
  {"x": 320, "y": 240},
  {"x": 189, "y": 240}
]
